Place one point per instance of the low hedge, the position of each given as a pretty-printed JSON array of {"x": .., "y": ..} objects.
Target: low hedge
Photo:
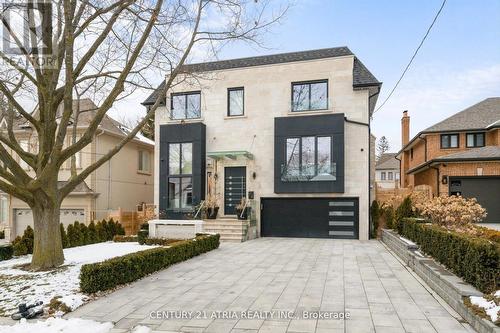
[
  {"x": 161, "y": 241},
  {"x": 6, "y": 251},
  {"x": 474, "y": 259},
  {"x": 128, "y": 268},
  {"x": 124, "y": 239}
]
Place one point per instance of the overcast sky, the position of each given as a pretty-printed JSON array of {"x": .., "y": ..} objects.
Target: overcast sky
[{"x": 458, "y": 66}]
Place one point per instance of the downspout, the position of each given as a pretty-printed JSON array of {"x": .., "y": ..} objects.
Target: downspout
[
  {"x": 437, "y": 180},
  {"x": 396, "y": 157}
]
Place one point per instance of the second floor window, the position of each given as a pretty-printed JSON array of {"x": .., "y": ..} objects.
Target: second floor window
[
  {"x": 186, "y": 105},
  {"x": 382, "y": 176},
  {"x": 235, "y": 102},
  {"x": 449, "y": 141},
  {"x": 475, "y": 140},
  {"x": 309, "y": 96},
  {"x": 309, "y": 158}
]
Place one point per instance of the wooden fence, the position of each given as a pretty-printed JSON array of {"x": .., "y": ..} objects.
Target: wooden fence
[
  {"x": 131, "y": 221},
  {"x": 385, "y": 194}
]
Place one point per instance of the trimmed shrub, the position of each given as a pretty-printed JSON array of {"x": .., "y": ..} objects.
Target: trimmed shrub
[
  {"x": 474, "y": 259},
  {"x": 404, "y": 210},
  {"x": 6, "y": 251},
  {"x": 128, "y": 268},
  {"x": 161, "y": 241},
  {"x": 75, "y": 237},
  {"x": 64, "y": 236},
  {"x": 101, "y": 231},
  {"x": 375, "y": 213},
  {"x": 122, "y": 239},
  {"x": 92, "y": 233},
  {"x": 389, "y": 217},
  {"x": 24, "y": 245},
  {"x": 143, "y": 233}
]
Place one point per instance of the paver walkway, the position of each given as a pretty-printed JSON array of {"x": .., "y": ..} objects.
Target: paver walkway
[{"x": 324, "y": 276}]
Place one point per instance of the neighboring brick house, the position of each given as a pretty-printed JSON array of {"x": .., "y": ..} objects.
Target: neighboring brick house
[
  {"x": 387, "y": 171},
  {"x": 291, "y": 132},
  {"x": 123, "y": 182},
  {"x": 459, "y": 155}
]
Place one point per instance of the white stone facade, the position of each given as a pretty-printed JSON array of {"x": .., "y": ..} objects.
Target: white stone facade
[{"x": 267, "y": 94}]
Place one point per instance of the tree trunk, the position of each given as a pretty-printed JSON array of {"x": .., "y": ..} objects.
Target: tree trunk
[{"x": 47, "y": 247}]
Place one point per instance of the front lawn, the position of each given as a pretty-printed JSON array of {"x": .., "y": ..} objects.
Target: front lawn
[{"x": 18, "y": 285}]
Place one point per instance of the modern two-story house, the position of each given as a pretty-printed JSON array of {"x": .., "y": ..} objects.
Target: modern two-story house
[
  {"x": 123, "y": 182},
  {"x": 459, "y": 155},
  {"x": 290, "y": 132}
]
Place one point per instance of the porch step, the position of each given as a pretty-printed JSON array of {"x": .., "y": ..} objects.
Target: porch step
[{"x": 229, "y": 229}]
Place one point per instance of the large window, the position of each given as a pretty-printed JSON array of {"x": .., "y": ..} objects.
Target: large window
[
  {"x": 235, "y": 102},
  {"x": 4, "y": 209},
  {"x": 180, "y": 170},
  {"x": 475, "y": 140},
  {"x": 144, "y": 163},
  {"x": 308, "y": 158},
  {"x": 449, "y": 141},
  {"x": 186, "y": 105},
  {"x": 307, "y": 96}
]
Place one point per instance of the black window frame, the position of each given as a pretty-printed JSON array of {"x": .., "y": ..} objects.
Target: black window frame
[
  {"x": 315, "y": 149},
  {"x": 449, "y": 140},
  {"x": 475, "y": 134},
  {"x": 179, "y": 176},
  {"x": 310, "y": 83},
  {"x": 229, "y": 90},
  {"x": 185, "y": 94}
]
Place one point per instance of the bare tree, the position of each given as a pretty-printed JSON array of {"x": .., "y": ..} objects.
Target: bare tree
[{"x": 103, "y": 49}]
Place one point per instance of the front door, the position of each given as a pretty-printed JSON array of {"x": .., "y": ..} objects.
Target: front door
[{"x": 235, "y": 188}]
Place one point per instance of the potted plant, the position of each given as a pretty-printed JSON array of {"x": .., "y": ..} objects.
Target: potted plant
[
  {"x": 211, "y": 207},
  {"x": 242, "y": 209}
]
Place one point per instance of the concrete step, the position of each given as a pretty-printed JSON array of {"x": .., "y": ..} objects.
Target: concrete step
[{"x": 228, "y": 227}]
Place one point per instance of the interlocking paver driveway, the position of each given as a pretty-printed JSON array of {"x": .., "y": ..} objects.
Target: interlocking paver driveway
[{"x": 361, "y": 278}]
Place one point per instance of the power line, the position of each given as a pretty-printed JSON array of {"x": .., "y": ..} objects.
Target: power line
[{"x": 413, "y": 57}]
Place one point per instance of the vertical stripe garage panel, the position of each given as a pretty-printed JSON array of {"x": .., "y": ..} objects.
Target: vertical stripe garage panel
[{"x": 310, "y": 217}]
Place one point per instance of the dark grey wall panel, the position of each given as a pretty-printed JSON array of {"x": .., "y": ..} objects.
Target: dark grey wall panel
[
  {"x": 179, "y": 133},
  {"x": 315, "y": 125}
]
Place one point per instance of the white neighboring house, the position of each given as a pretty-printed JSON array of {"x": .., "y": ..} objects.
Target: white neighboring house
[
  {"x": 123, "y": 182},
  {"x": 290, "y": 132},
  {"x": 387, "y": 171}
]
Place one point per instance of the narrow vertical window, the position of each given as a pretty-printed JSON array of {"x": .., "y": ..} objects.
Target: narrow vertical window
[{"x": 236, "y": 102}]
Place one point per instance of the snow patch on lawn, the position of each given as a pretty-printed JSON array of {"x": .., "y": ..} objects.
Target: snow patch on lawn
[
  {"x": 490, "y": 307},
  {"x": 58, "y": 325},
  {"x": 20, "y": 286}
]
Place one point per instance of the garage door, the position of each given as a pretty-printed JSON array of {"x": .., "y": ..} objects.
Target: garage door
[
  {"x": 310, "y": 217},
  {"x": 24, "y": 218},
  {"x": 485, "y": 189}
]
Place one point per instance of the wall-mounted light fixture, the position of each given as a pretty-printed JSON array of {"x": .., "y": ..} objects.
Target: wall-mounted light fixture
[
  {"x": 254, "y": 175},
  {"x": 444, "y": 179}
]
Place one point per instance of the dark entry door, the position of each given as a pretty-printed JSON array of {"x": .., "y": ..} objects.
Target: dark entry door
[
  {"x": 485, "y": 189},
  {"x": 235, "y": 188},
  {"x": 310, "y": 217}
]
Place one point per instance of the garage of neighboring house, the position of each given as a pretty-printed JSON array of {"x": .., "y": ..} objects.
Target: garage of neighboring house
[
  {"x": 24, "y": 217},
  {"x": 485, "y": 189},
  {"x": 310, "y": 217}
]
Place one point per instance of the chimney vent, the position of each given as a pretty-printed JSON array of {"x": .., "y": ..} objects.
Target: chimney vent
[{"x": 405, "y": 128}]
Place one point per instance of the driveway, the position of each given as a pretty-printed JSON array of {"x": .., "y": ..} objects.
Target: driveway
[{"x": 278, "y": 282}]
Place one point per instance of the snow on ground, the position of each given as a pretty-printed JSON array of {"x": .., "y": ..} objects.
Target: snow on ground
[
  {"x": 490, "y": 307},
  {"x": 59, "y": 325},
  {"x": 20, "y": 286}
]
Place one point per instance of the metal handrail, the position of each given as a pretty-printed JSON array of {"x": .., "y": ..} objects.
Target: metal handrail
[
  {"x": 199, "y": 209},
  {"x": 244, "y": 207}
]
